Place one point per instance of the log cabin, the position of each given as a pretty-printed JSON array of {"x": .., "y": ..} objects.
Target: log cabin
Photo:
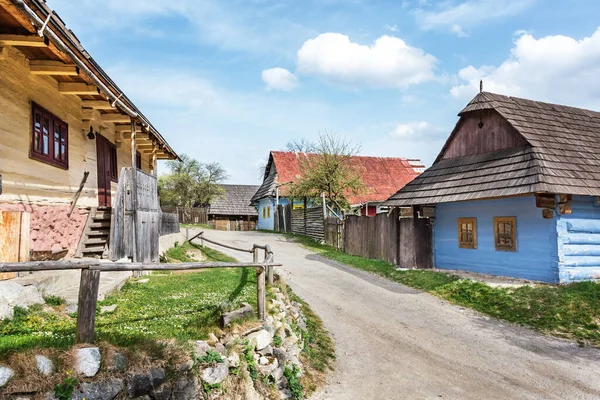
[
  {"x": 515, "y": 191},
  {"x": 232, "y": 211},
  {"x": 66, "y": 130}
]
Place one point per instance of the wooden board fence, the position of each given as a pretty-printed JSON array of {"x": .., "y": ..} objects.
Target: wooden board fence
[
  {"x": 189, "y": 215},
  {"x": 14, "y": 239},
  {"x": 169, "y": 224},
  {"x": 308, "y": 222}
]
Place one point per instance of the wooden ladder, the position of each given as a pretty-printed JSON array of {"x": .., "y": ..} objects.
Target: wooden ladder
[{"x": 94, "y": 241}]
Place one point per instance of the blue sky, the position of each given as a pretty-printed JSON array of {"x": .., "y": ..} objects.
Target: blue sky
[{"x": 229, "y": 81}]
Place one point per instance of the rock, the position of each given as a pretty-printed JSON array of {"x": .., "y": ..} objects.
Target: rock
[
  {"x": 234, "y": 360},
  {"x": 227, "y": 340},
  {"x": 269, "y": 320},
  {"x": 6, "y": 374},
  {"x": 263, "y": 360},
  {"x": 157, "y": 377},
  {"x": 6, "y": 311},
  {"x": 201, "y": 348},
  {"x": 186, "y": 366},
  {"x": 71, "y": 308},
  {"x": 44, "y": 365},
  {"x": 14, "y": 295},
  {"x": 228, "y": 318},
  {"x": 186, "y": 389},
  {"x": 302, "y": 323},
  {"x": 220, "y": 349},
  {"x": 267, "y": 351},
  {"x": 277, "y": 373},
  {"x": 270, "y": 329},
  {"x": 106, "y": 390},
  {"x": 144, "y": 397},
  {"x": 281, "y": 333},
  {"x": 142, "y": 281},
  {"x": 261, "y": 339},
  {"x": 120, "y": 362},
  {"x": 212, "y": 339},
  {"x": 269, "y": 368},
  {"x": 108, "y": 309},
  {"x": 281, "y": 355},
  {"x": 87, "y": 361},
  {"x": 139, "y": 385},
  {"x": 162, "y": 393},
  {"x": 216, "y": 374}
]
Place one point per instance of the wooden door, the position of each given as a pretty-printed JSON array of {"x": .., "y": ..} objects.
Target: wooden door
[
  {"x": 14, "y": 239},
  {"x": 103, "y": 150}
]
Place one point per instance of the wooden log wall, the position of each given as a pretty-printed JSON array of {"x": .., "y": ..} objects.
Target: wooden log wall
[{"x": 308, "y": 222}]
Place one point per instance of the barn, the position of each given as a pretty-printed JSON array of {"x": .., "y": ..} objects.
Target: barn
[
  {"x": 516, "y": 191},
  {"x": 232, "y": 210}
]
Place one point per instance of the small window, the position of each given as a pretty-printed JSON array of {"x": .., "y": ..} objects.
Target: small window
[
  {"x": 264, "y": 212},
  {"x": 114, "y": 174},
  {"x": 50, "y": 138},
  {"x": 467, "y": 233},
  {"x": 269, "y": 212},
  {"x": 505, "y": 233},
  {"x": 138, "y": 160}
]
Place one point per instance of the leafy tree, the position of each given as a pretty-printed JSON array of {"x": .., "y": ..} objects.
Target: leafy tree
[
  {"x": 191, "y": 183},
  {"x": 330, "y": 170}
]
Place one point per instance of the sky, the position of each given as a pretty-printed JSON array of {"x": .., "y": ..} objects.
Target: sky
[{"x": 231, "y": 80}]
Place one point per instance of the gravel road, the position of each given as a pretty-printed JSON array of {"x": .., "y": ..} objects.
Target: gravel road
[{"x": 394, "y": 342}]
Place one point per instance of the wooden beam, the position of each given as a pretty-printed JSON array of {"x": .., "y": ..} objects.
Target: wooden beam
[
  {"x": 87, "y": 114},
  {"x": 51, "y": 67},
  {"x": 116, "y": 118},
  {"x": 77, "y": 88},
  {"x": 97, "y": 105},
  {"x": 23, "y": 41}
]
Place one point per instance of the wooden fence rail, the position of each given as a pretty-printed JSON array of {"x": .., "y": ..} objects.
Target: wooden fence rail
[
  {"x": 189, "y": 215},
  {"x": 90, "y": 280}
]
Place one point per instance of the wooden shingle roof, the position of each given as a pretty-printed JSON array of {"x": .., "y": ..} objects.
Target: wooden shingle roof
[
  {"x": 562, "y": 155},
  {"x": 235, "y": 201}
]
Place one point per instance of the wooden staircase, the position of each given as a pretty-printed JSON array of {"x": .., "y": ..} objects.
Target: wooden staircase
[{"x": 94, "y": 241}]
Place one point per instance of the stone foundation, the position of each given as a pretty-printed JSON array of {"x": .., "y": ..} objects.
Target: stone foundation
[{"x": 51, "y": 227}]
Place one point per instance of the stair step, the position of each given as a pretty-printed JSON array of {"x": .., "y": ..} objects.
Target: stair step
[
  {"x": 94, "y": 241},
  {"x": 100, "y": 224},
  {"x": 96, "y": 249},
  {"x": 102, "y": 217},
  {"x": 99, "y": 232}
]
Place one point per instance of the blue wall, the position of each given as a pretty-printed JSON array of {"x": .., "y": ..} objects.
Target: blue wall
[
  {"x": 536, "y": 256},
  {"x": 579, "y": 241},
  {"x": 268, "y": 223}
]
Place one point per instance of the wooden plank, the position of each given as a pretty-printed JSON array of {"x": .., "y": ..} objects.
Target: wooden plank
[
  {"x": 116, "y": 118},
  {"x": 98, "y": 105},
  {"x": 86, "y": 306},
  {"x": 77, "y": 88},
  {"x": 51, "y": 67},
  {"x": 10, "y": 239},
  {"x": 23, "y": 40},
  {"x": 87, "y": 114}
]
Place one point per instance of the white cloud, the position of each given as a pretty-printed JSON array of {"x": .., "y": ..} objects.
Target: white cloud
[
  {"x": 391, "y": 28},
  {"x": 279, "y": 79},
  {"x": 552, "y": 68},
  {"x": 389, "y": 62},
  {"x": 416, "y": 131},
  {"x": 455, "y": 16}
]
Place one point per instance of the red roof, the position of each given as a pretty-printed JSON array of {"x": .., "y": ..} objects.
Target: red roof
[{"x": 382, "y": 176}]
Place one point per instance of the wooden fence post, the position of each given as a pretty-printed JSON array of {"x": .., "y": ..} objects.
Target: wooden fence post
[
  {"x": 269, "y": 270},
  {"x": 260, "y": 284},
  {"x": 86, "y": 307}
]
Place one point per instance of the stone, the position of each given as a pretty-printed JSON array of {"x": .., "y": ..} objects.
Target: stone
[
  {"x": 162, "y": 393},
  {"x": 202, "y": 348},
  {"x": 281, "y": 355},
  {"x": 6, "y": 374},
  {"x": 270, "y": 328},
  {"x": 212, "y": 339},
  {"x": 87, "y": 361},
  {"x": 269, "y": 320},
  {"x": 157, "y": 377},
  {"x": 256, "y": 357},
  {"x": 234, "y": 360},
  {"x": 186, "y": 366},
  {"x": 227, "y": 340},
  {"x": 71, "y": 308},
  {"x": 120, "y": 362},
  {"x": 267, "y": 351},
  {"x": 139, "y": 385},
  {"x": 216, "y": 374},
  {"x": 106, "y": 390},
  {"x": 186, "y": 389},
  {"x": 108, "y": 309},
  {"x": 220, "y": 349},
  {"x": 277, "y": 373},
  {"x": 263, "y": 360},
  {"x": 260, "y": 339},
  {"x": 142, "y": 281},
  {"x": 44, "y": 365},
  {"x": 14, "y": 295},
  {"x": 302, "y": 323},
  {"x": 269, "y": 368}
]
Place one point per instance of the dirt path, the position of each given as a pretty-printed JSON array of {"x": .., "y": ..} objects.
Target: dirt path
[{"x": 396, "y": 343}]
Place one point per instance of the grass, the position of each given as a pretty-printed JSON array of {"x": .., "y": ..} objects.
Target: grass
[
  {"x": 180, "y": 306},
  {"x": 195, "y": 226},
  {"x": 569, "y": 311}
]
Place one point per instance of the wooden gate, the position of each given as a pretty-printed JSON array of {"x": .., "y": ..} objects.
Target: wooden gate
[
  {"x": 283, "y": 218},
  {"x": 136, "y": 214},
  {"x": 14, "y": 239}
]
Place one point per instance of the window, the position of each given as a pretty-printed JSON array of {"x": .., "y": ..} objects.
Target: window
[
  {"x": 264, "y": 212},
  {"x": 114, "y": 173},
  {"x": 269, "y": 212},
  {"x": 50, "y": 138},
  {"x": 467, "y": 233},
  {"x": 138, "y": 160},
  {"x": 505, "y": 233}
]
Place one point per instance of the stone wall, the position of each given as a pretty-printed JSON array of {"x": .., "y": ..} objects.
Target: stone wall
[{"x": 51, "y": 227}]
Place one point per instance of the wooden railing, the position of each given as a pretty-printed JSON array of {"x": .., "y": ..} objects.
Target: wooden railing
[{"x": 90, "y": 279}]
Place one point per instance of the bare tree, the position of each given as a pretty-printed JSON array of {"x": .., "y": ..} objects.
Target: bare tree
[{"x": 301, "y": 146}]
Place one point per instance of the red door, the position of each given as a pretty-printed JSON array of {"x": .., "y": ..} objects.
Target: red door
[{"x": 103, "y": 150}]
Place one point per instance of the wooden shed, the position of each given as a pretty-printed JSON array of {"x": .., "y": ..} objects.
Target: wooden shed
[
  {"x": 232, "y": 211},
  {"x": 516, "y": 191}
]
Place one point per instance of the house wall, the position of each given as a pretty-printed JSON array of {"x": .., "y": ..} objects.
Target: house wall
[
  {"x": 495, "y": 134},
  {"x": 268, "y": 223},
  {"x": 536, "y": 256},
  {"x": 579, "y": 241},
  {"x": 41, "y": 189}
]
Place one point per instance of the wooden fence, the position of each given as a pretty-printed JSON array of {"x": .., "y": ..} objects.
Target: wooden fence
[
  {"x": 229, "y": 225},
  {"x": 283, "y": 218},
  {"x": 169, "y": 224},
  {"x": 90, "y": 279},
  {"x": 189, "y": 215},
  {"x": 406, "y": 242},
  {"x": 14, "y": 238},
  {"x": 308, "y": 222}
]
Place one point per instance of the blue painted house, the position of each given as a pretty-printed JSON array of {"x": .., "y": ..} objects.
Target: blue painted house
[{"x": 516, "y": 191}]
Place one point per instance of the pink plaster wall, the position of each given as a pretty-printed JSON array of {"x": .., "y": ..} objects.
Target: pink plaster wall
[{"x": 51, "y": 228}]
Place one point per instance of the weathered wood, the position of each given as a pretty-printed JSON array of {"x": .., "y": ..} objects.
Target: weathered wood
[
  {"x": 244, "y": 312},
  {"x": 269, "y": 269},
  {"x": 116, "y": 118},
  {"x": 23, "y": 40},
  {"x": 78, "y": 193},
  {"x": 99, "y": 105},
  {"x": 77, "y": 88},
  {"x": 86, "y": 307},
  {"x": 189, "y": 215},
  {"x": 14, "y": 239},
  {"x": 169, "y": 224},
  {"x": 261, "y": 293},
  {"x": 51, "y": 67}
]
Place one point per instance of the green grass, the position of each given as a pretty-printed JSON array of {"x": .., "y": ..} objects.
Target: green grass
[
  {"x": 570, "y": 311},
  {"x": 180, "y": 306},
  {"x": 195, "y": 226}
]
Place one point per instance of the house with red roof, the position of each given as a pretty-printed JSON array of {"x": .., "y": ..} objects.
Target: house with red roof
[{"x": 382, "y": 177}]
